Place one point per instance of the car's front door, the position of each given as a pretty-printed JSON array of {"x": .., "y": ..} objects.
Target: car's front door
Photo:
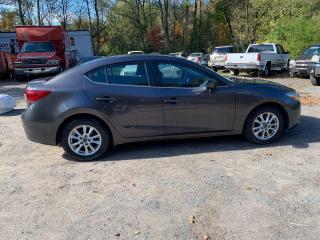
[
  {"x": 123, "y": 93},
  {"x": 188, "y": 106}
]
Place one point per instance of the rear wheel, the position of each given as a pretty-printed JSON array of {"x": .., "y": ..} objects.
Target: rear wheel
[
  {"x": 315, "y": 81},
  {"x": 85, "y": 139},
  {"x": 267, "y": 71},
  {"x": 264, "y": 125}
]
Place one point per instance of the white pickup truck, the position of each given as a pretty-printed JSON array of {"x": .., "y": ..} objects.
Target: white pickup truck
[{"x": 260, "y": 58}]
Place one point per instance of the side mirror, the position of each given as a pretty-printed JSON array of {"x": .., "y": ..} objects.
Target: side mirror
[{"x": 211, "y": 85}]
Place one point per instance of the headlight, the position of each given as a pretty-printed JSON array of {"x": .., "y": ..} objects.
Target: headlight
[
  {"x": 53, "y": 62},
  {"x": 294, "y": 95},
  {"x": 18, "y": 63},
  {"x": 292, "y": 63}
]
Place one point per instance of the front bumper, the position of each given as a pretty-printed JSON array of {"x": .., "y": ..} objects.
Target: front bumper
[
  {"x": 299, "y": 71},
  {"x": 43, "y": 133},
  {"x": 38, "y": 71},
  {"x": 294, "y": 114}
]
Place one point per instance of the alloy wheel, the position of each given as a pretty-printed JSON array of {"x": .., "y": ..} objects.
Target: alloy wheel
[
  {"x": 265, "y": 126},
  {"x": 84, "y": 140}
]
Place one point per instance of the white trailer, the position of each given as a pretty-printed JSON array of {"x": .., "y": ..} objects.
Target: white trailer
[{"x": 79, "y": 42}]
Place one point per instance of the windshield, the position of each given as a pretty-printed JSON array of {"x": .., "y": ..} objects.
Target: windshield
[
  {"x": 312, "y": 51},
  {"x": 261, "y": 48},
  {"x": 29, "y": 47}
]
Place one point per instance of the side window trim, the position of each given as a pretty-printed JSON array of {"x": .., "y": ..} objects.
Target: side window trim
[
  {"x": 115, "y": 64},
  {"x": 95, "y": 69}
]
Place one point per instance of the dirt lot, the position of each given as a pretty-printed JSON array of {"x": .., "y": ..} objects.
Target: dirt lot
[{"x": 223, "y": 188}]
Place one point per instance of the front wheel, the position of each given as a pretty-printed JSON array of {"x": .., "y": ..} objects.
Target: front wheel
[
  {"x": 315, "y": 81},
  {"x": 85, "y": 139},
  {"x": 265, "y": 125}
]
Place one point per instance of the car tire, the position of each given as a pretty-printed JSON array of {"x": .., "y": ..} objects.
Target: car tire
[
  {"x": 267, "y": 71},
  {"x": 315, "y": 81},
  {"x": 85, "y": 139},
  {"x": 269, "y": 130}
]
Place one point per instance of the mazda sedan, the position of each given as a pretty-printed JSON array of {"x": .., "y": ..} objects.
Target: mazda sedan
[{"x": 121, "y": 99}]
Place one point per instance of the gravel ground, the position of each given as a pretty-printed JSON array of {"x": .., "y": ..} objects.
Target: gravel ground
[{"x": 216, "y": 188}]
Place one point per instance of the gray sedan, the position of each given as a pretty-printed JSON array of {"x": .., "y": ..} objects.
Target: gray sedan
[{"x": 121, "y": 99}]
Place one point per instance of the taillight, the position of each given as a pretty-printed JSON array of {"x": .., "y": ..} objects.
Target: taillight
[
  {"x": 226, "y": 58},
  {"x": 197, "y": 60},
  {"x": 259, "y": 57},
  {"x": 35, "y": 95}
]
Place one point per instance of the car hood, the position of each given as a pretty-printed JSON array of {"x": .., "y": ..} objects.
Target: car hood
[
  {"x": 303, "y": 58},
  {"x": 37, "y": 55},
  {"x": 262, "y": 83}
]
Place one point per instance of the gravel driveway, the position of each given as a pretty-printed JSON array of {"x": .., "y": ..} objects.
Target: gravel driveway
[{"x": 215, "y": 188}]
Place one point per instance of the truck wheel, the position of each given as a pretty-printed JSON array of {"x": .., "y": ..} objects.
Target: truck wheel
[
  {"x": 315, "y": 81},
  {"x": 234, "y": 72},
  {"x": 267, "y": 71}
]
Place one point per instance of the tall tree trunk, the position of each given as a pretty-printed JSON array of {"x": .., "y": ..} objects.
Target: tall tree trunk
[
  {"x": 21, "y": 15},
  {"x": 96, "y": 10},
  {"x": 90, "y": 25},
  {"x": 185, "y": 24},
  {"x": 38, "y": 13}
]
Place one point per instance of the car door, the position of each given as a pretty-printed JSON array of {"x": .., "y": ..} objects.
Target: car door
[
  {"x": 122, "y": 92},
  {"x": 188, "y": 106},
  {"x": 284, "y": 57}
]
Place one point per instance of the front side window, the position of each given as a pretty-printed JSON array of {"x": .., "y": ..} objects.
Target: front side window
[
  {"x": 281, "y": 49},
  {"x": 175, "y": 75},
  {"x": 128, "y": 74}
]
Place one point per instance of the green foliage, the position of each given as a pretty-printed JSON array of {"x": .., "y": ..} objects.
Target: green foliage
[{"x": 296, "y": 35}]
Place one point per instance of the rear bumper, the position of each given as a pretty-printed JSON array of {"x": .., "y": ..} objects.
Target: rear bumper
[
  {"x": 38, "y": 71},
  {"x": 245, "y": 67},
  {"x": 219, "y": 65},
  {"x": 43, "y": 133}
]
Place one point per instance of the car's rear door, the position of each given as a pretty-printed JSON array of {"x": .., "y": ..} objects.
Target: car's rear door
[
  {"x": 188, "y": 106},
  {"x": 123, "y": 93}
]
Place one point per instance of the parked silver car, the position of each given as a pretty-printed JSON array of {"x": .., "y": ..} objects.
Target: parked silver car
[
  {"x": 315, "y": 74},
  {"x": 219, "y": 54},
  {"x": 195, "y": 57},
  {"x": 301, "y": 66}
]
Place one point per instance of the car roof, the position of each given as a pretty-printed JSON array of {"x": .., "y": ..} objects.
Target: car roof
[{"x": 87, "y": 66}]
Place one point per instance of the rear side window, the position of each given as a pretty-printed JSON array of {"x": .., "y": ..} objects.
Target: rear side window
[
  {"x": 128, "y": 74},
  {"x": 97, "y": 75}
]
